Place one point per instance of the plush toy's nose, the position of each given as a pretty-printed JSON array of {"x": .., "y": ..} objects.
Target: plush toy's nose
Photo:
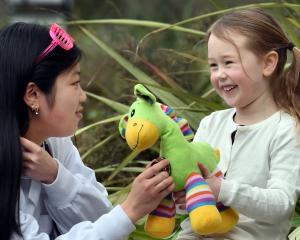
[{"x": 141, "y": 134}]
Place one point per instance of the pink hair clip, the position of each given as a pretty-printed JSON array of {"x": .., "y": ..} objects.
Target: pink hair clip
[{"x": 59, "y": 37}]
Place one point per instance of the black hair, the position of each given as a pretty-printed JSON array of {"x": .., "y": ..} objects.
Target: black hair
[{"x": 20, "y": 46}]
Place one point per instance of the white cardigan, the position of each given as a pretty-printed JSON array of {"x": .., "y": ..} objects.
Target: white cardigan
[
  {"x": 262, "y": 169},
  {"x": 75, "y": 196}
]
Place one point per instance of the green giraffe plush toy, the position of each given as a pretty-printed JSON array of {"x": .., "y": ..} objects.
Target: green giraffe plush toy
[{"x": 146, "y": 123}]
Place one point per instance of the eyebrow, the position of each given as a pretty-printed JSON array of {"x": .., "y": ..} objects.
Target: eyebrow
[
  {"x": 224, "y": 56},
  {"x": 77, "y": 72}
]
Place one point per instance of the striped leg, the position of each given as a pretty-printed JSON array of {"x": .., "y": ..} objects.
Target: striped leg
[
  {"x": 201, "y": 206},
  {"x": 230, "y": 217},
  {"x": 161, "y": 222}
]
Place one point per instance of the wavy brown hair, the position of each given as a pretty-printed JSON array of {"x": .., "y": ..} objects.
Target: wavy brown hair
[{"x": 264, "y": 34}]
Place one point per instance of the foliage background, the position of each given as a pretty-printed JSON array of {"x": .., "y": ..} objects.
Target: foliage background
[
  {"x": 171, "y": 62},
  {"x": 175, "y": 60}
]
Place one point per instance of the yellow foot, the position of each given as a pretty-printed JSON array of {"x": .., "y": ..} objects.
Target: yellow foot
[
  {"x": 205, "y": 220},
  {"x": 230, "y": 218},
  {"x": 159, "y": 227}
]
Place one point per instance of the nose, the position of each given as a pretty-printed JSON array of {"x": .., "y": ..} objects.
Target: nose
[
  {"x": 82, "y": 96},
  {"x": 221, "y": 74}
]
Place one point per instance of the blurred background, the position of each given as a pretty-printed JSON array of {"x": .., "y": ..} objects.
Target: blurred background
[{"x": 160, "y": 43}]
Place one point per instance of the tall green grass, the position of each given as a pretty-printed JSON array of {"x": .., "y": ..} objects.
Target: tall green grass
[{"x": 176, "y": 72}]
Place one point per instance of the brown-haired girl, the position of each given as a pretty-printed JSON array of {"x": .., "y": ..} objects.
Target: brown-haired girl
[{"x": 258, "y": 137}]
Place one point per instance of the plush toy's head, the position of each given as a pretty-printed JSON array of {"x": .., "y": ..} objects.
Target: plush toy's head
[
  {"x": 137, "y": 126},
  {"x": 146, "y": 121}
]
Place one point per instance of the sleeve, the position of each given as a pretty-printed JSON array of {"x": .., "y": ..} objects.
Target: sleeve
[
  {"x": 114, "y": 225},
  {"x": 75, "y": 195},
  {"x": 29, "y": 228},
  {"x": 277, "y": 201}
]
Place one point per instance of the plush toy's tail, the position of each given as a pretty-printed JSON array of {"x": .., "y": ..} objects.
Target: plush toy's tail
[{"x": 161, "y": 222}]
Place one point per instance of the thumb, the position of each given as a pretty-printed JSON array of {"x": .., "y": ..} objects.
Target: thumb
[{"x": 204, "y": 170}]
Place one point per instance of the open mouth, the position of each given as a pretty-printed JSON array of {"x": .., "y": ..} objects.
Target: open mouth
[{"x": 229, "y": 88}]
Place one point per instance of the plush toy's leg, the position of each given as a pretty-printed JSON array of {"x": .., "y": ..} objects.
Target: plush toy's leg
[
  {"x": 161, "y": 222},
  {"x": 201, "y": 206},
  {"x": 230, "y": 217}
]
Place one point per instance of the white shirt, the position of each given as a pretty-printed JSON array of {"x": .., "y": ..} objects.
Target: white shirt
[
  {"x": 262, "y": 169},
  {"x": 75, "y": 196}
]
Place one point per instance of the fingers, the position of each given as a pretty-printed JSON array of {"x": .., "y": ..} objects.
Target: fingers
[
  {"x": 28, "y": 145},
  {"x": 205, "y": 172},
  {"x": 179, "y": 197},
  {"x": 167, "y": 190},
  {"x": 28, "y": 162},
  {"x": 158, "y": 178},
  {"x": 164, "y": 184},
  {"x": 154, "y": 161},
  {"x": 26, "y": 156},
  {"x": 155, "y": 169}
]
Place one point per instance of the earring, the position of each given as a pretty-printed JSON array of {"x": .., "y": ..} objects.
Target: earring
[{"x": 35, "y": 110}]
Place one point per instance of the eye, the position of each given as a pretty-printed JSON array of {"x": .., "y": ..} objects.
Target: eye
[
  {"x": 228, "y": 62},
  {"x": 77, "y": 83},
  {"x": 213, "y": 65},
  {"x": 132, "y": 113}
]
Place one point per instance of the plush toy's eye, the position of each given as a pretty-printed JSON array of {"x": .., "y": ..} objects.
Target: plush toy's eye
[{"x": 132, "y": 113}]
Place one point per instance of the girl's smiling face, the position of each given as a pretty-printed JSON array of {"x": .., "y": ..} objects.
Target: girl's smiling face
[
  {"x": 62, "y": 117},
  {"x": 236, "y": 73}
]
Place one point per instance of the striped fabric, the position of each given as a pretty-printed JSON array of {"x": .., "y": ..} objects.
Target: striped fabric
[
  {"x": 181, "y": 122},
  {"x": 168, "y": 110},
  {"x": 198, "y": 192},
  {"x": 184, "y": 127},
  {"x": 166, "y": 208}
]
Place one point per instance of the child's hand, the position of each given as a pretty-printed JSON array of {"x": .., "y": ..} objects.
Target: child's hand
[
  {"x": 213, "y": 181},
  {"x": 180, "y": 200},
  {"x": 37, "y": 163},
  {"x": 148, "y": 189}
]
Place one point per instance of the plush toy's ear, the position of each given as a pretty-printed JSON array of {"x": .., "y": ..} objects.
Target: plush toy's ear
[
  {"x": 123, "y": 125},
  {"x": 218, "y": 154},
  {"x": 181, "y": 122},
  {"x": 141, "y": 92}
]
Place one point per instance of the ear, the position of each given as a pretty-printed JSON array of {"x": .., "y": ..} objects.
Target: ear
[
  {"x": 123, "y": 125},
  {"x": 31, "y": 95},
  {"x": 141, "y": 92},
  {"x": 270, "y": 63}
]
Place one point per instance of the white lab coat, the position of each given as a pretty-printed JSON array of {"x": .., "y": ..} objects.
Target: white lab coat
[{"x": 74, "y": 197}]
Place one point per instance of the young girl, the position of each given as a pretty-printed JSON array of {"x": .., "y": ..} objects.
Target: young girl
[
  {"x": 258, "y": 137},
  {"x": 45, "y": 189}
]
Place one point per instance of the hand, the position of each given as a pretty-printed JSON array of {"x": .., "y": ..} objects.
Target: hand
[
  {"x": 180, "y": 199},
  {"x": 148, "y": 189},
  {"x": 213, "y": 181},
  {"x": 37, "y": 163}
]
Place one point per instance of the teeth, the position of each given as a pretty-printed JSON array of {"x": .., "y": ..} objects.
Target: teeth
[{"x": 229, "y": 88}]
